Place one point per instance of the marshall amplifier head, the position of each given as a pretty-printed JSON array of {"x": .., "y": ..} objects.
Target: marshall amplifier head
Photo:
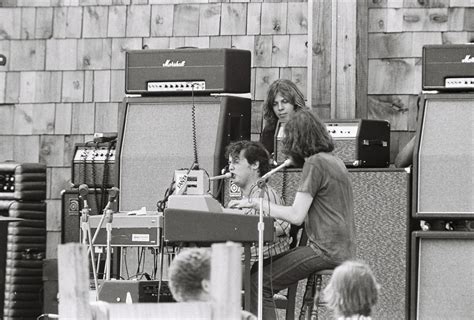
[
  {"x": 448, "y": 67},
  {"x": 361, "y": 142},
  {"x": 186, "y": 71}
]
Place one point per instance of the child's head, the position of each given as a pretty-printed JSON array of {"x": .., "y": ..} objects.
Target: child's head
[
  {"x": 352, "y": 289},
  {"x": 189, "y": 275}
]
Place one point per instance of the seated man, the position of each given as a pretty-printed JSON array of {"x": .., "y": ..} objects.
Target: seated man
[
  {"x": 189, "y": 277},
  {"x": 248, "y": 161}
]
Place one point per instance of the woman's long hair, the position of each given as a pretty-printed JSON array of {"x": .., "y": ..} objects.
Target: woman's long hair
[
  {"x": 352, "y": 290},
  {"x": 304, "y": 135},
  {"x": 289, "y": 91}
]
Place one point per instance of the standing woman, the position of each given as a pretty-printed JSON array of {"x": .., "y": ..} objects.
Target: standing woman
[
  {"x": 283, "y": 99},
  {"x": 323, "y": 202}
]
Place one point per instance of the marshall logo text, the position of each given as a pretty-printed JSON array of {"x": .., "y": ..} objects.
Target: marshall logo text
[
  {"x": 468, "y": 59},
  {"x": 169, "y": 63}
]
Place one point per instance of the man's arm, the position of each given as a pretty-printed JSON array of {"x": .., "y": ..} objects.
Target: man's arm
[
  {"x": 294, "y": 214},
  {"x": 405, "y": 157}
]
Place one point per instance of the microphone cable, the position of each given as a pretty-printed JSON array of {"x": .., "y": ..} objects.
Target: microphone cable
[{"x": 194, "y": 129}]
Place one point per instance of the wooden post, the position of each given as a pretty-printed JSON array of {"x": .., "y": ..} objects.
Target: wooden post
[
  {"x": 73, "y": 278},
  {"x": 226, "y": 280}
]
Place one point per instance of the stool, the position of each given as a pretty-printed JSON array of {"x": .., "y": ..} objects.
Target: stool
[
  {"x": 287, "y": 301},
  {"x": 312, "y": 295}
]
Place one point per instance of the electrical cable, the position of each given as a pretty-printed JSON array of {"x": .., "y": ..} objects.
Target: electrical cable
[{"x": 194, "y": 130}]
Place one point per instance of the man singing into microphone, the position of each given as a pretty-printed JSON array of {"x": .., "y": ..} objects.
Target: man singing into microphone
[
  {"x": 248, "y": 161},
  {"x": 323, "y": 202}
]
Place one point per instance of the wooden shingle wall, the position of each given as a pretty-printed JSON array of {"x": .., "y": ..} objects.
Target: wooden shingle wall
[
  {"x": 64, "y": 77},
  {"x": 397, "y": 31}
]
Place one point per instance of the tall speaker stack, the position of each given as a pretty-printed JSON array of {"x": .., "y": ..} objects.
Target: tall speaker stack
[
  {"x": 443, "y": 187},
  {"x": 189, "y": 107},
  {"x": 23, "y": 242}
]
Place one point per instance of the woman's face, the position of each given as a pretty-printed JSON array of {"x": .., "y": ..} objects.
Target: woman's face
[{"x": 283, "y": 108}]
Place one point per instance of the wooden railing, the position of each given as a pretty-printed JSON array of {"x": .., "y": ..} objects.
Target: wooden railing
[{"x": 75, "y": 301}]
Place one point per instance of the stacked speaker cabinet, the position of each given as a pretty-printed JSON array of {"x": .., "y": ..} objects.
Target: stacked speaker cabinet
[
  {"x": 23, "y": 243},
  {"x": 442, "y": 275},
  {"x": 190, "y": 109},
  {"x": 162, "y": 134},
  {"x": 381, "y": 209},
  {"x": 443, "y": 198},
  {"x": 444, "y": 157}
]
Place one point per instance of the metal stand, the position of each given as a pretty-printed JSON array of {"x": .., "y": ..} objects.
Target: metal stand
[
  {"x": 261, "y": 228},
  {"x": 86, "y": 236},
  {"x": 108, "y": 227}
]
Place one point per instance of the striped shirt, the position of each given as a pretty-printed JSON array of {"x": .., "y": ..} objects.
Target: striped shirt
[{"x": 282, "y": 241}]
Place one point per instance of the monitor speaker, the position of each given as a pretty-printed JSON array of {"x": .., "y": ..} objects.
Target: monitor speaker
[
  {"x": 113, "y": 291},
  {"x": 442, "y": 275},
  {"x": 443, "y": 181},
  {"x": 381, "y": 204},
  {"x": 159, "y": 135}
]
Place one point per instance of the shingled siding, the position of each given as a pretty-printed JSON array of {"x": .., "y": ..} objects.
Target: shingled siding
[
  {"x": 397, "y": 31},
  {"x": 64, "y": 77}
]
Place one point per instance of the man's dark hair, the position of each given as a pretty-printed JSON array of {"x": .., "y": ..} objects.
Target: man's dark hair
[
  {"x": 253, "y": 152},
  {"x": 304, "y": 135}
]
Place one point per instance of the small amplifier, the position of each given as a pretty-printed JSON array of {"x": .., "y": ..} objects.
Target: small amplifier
[
  {"x": 94, "y": 165},
  {"x": 71, "y": 211},
  {"x": 129, "y": 230},
  {"x": 115, "y": 291},
  {"x": 448, "y": 67},
  {"x": 361, "y": 142},
  {"x": 25, "y": 181},
  {"x": 186, "y": 71}
]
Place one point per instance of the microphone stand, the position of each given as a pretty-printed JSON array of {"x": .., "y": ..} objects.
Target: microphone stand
[
  {"x": 262, "y": 184},
  {"x": 107, "y": 213},
  {"x": 108, "y": 227},
  {"x": 86, "y": 235}
]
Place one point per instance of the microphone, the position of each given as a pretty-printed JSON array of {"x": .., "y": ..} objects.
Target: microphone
[
  {"x": 261, "y": 182},
  {"x": 113, "y": 194},
  {"x": 83, "y": 192},
  {"x": 227, "y": 175}
]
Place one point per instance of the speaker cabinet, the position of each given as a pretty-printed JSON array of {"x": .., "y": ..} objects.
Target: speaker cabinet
[
  {"x": 22, "y": 250},
  {"x": 162, "y": 134},
  {"x": 71, "y": 211},
  {"x": 443, "y": 181},
  {"x": 442, "y": 275},
  {"x": 381, "y": 203},
  {"x": 113, "y": 291}
]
